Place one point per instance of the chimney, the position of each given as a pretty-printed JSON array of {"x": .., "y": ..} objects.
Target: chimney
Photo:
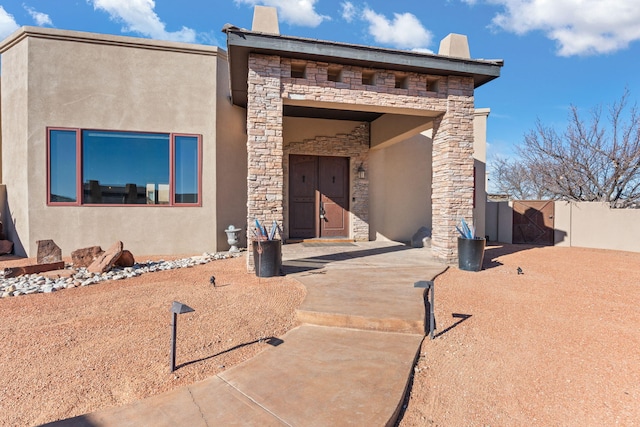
[
  {"x": 265, "y": 20},
  {"x": 455, "y": 45}
]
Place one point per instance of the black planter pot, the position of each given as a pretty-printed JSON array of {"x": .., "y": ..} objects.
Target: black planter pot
[
  {"x": 267, "y": 257},
  {"x": 470, "y": 253}
]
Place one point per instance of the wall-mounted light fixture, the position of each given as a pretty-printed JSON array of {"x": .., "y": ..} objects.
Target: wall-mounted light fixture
[{"x": 361, "y": 171}]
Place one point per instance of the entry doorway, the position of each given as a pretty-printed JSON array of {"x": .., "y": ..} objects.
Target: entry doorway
[{"x": 318, "y": 197}]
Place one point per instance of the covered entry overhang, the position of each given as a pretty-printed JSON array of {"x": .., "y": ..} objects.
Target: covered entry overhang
[
  {"x": 394, "y": 94},
  {"x": 241, "y": 43}
]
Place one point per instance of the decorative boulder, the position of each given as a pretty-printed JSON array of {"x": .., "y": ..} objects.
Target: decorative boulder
[
  {"x": 105, "y": 261},
  {"x": 86, "y": 256},
  {"x": 126, "y": 259},
  {"x": 6, "y": 247},
  {"x": 48, "y": 252}
]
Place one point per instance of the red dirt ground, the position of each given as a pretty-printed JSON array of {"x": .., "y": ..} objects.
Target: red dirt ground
[
  {"x": 82, "y": 349},
  {"x": 557, "y": 345}
]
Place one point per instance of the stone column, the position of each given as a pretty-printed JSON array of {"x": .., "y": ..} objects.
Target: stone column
[
  {"x": 452, "y": 185},
  {"x": 265, "y": 178}
]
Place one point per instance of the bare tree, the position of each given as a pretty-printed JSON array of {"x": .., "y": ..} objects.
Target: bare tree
[
  {"x": 513, "y": 177},
  {"x": 590, "y": 161}
]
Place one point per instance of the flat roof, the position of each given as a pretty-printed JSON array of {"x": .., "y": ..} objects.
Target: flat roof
[
  {"x": 241, "y": 42},
  {"x": 106, "y": 39}
]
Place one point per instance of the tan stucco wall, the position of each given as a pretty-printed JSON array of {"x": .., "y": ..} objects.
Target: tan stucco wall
[
  {"x": 480, "y": 165},
  {"x": 15, "y": 170},
  {"x": 595, "y": 225},
  {"x": 112, "y": 83},
  {"x": 400, "y": 189},
  {"x": 562, "y": 224},
  {"x": 579, "y": 224},
  {"x": 499, "y": 221},
  {"x": 491, "y": 221},
  {"x": 231, "y": 161}
]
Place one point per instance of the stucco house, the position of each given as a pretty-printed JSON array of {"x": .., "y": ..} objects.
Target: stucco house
[{"x": 163, "y": 145}]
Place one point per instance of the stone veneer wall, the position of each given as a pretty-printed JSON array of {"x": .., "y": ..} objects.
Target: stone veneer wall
[
  {"x": 452, "y": 187},
  {"x": 265, "y": 178},
  {"x": 316, "y": 86},
  {"x": 355, "y": 146},
  {"x": 270, "y": 81}
]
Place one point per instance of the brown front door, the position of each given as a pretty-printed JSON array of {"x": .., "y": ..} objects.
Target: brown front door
[
  {"x": 319, "y": 196},
  {"x": 533, "y": 222}
]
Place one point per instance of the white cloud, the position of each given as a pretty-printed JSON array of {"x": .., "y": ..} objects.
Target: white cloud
[
  {"x": 40, "y": 18},
  {"x": 7, "y": 23},
  {"x": 422, "y": 50},
  {"x": 348, "y": 11},
  {"x": 294, "y": 12},
  {"x": 580, "y": 27},
  {"x": 138, "y": 16},
  {"x": 404, "y": 31}
]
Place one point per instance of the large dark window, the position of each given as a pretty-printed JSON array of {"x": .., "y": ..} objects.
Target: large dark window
[{"x": 123, "y": 168}]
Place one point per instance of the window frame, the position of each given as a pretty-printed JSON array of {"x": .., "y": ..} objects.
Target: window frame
[{"x": 79, "y": 169}]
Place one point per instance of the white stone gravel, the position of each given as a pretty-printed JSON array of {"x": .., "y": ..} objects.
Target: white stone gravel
[{"x": 34, "y": 283}]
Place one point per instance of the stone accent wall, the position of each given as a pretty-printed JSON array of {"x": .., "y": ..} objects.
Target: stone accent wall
[
  {"x": 355, "y": 146},
  {"x": 315, "y": 86},
  {"x": 265, "y": 178},
  {"x": 452, "y": 187},
  {"x": 450, "y": 98}
]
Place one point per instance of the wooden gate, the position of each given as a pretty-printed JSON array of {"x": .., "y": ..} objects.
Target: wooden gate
[{"x": 533, "y": 222}]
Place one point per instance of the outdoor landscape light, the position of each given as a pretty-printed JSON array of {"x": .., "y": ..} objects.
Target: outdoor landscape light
[
  {"x": 429, "y": 285},
  {"x": 176, "y": 308},
  {"x": 361, "y": 171}
]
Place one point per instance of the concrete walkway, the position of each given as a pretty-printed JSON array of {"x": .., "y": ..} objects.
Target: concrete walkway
[{"x": 349, "y": 362}]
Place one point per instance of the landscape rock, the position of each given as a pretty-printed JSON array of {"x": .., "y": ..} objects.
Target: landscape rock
[
  {"x": 422, "y": 238},
  {"x": 6, "y": 247},
  {"x": 126, "y": 259},
  {"x": 31, "y": 282},
  {"x": 32, "y": 269},
  {"x": 48, "y": 252},
  {"x": 59, "y": 274},
  {"x": 105, "y": 261},
  {"x": 86, "y": 256}
]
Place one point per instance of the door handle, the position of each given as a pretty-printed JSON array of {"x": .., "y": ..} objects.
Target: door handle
[{"x": 322, "y": 211}]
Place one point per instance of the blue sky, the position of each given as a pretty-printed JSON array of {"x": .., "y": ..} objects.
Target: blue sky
[{"x": 556, "y": 53}]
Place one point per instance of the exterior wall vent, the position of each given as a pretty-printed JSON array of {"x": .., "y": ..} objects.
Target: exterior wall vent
[
  {"x": 402, "y": 82},
  {"x": 369, "y": 77},
  {"x": 334, "y": 74},
  {"x": 433, "y": 84},
  {"x": 298, "y": 70}
]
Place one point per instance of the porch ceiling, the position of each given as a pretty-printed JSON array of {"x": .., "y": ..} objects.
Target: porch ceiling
[
  {"x": 330, "y": 113},
  {"x": 241, "y": 42}
]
